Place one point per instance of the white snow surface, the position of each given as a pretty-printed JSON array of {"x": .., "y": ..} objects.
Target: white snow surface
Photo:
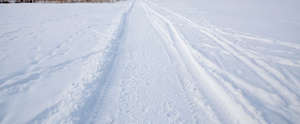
[{"x": 151, "y": 62}]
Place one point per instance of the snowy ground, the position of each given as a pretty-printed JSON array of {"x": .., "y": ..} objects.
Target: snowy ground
[{"x": 151, "y": 62}]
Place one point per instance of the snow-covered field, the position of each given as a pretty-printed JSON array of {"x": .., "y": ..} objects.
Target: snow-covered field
[{"x": 151, "y": 62}]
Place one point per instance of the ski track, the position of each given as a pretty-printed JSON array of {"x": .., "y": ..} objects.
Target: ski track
[
  {"x": 206, "y": 89},
  {"x": 212, "y": 93},
  {"x": 275, "y": 79}
]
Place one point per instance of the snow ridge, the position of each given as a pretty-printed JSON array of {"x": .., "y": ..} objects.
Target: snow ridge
[{"x": 78, "y": 103}]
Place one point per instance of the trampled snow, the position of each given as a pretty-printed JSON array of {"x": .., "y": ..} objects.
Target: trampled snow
[{"x": 150, "y": 62}]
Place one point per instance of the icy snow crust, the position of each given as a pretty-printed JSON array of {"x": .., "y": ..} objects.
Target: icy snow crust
[{"x": 150, "y": 62}]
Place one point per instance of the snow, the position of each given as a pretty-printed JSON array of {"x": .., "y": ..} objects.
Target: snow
[{"x": 150, "y": 61}]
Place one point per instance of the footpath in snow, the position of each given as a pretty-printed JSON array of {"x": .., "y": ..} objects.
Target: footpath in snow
[{"x": 141, "y": 62}]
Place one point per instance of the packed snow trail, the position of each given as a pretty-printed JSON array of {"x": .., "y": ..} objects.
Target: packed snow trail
[
  {"x": 151, "y": 64},
  {"x": 196, "y": 83}
]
